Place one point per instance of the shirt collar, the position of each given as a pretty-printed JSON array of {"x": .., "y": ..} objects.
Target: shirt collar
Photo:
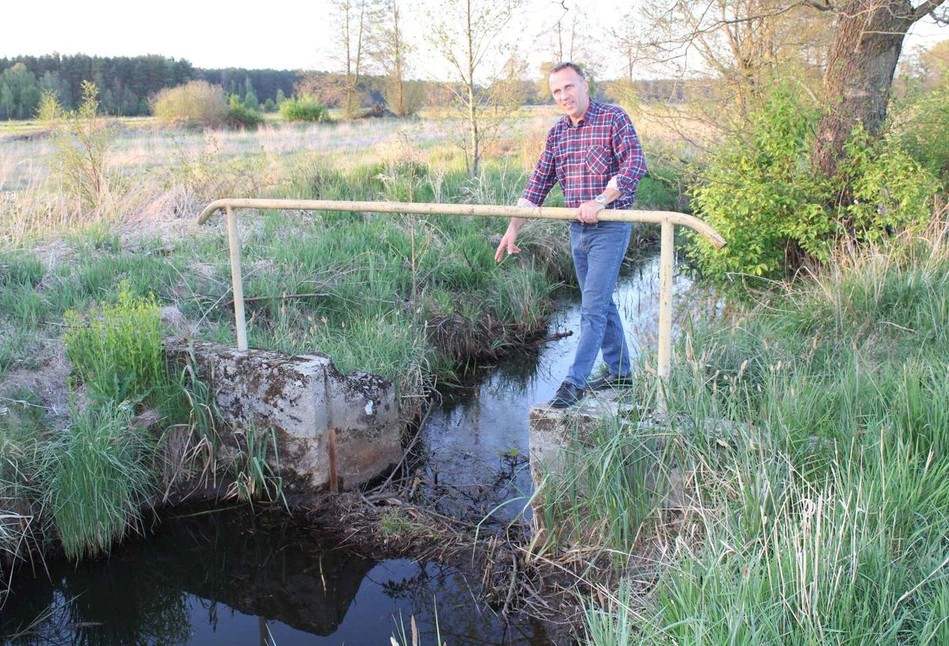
[{"x": 593, "y": 110}]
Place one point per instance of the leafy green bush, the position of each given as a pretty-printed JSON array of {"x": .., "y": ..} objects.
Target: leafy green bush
[
  {"x": 97, "y": 480},
  {"x": 195, "y": 102},
  {"x": 305, "y": 108},
  {"x": 241, "y": 115},
  {"x": 117, "y": 352},
  {"x": 922, "y": 130},
  {"x": 775, "y": 209}
]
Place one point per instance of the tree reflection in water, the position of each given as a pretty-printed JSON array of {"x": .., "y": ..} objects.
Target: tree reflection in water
[{"x": 230, "y": 577}]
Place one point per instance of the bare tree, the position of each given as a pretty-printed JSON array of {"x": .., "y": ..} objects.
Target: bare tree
[
  {"x": 471, "y": 35},
  {"x": 391, "y": 50},
  {"x": 352, "y": 20},
  {"x": 856, "y": 44},
  {"x": 745, "y": 43}
]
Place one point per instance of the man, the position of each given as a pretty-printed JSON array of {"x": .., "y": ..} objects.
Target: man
[{"x": 594, "y": 153}]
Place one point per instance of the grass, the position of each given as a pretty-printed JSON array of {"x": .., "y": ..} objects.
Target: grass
[
  {"x": 811, "y": 432},
  {"x": 379, "y": 293},
  {"x": 98, "y": 475}
]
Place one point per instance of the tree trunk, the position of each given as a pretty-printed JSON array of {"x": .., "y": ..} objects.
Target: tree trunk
[{"x": 867, "y": 42}]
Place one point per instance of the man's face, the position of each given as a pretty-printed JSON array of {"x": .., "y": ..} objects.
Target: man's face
[{"x": 569, "y": 90}]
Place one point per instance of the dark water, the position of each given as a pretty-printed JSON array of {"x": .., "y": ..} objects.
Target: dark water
[{"x": 229, "y": 577}]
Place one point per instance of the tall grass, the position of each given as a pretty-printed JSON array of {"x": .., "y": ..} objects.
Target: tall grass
[
  {"x": 98, "y": 475},
  {"x": 20, "y": 418},
  {"x": 821, "y": 516}
]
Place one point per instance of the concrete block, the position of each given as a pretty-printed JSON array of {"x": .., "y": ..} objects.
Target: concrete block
[{"x": 302, "y": 398}]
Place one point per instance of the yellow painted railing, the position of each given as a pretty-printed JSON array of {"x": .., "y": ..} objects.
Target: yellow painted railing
[{"x": 666, "y": 219}]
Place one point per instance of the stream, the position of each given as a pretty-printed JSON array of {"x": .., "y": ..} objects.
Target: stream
[{"x": 232, "y": 577}]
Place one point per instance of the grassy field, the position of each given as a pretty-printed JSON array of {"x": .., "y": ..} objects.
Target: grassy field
[
  {"x": 807, "y": 440},
  {"x": 97, "y": 222}
]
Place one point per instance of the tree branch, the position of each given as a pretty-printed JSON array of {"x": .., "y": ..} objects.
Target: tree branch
[{"x": 926, "y": 8}]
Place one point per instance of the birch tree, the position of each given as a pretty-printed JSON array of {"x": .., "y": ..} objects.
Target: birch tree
[{"x": 471, "y": 36}]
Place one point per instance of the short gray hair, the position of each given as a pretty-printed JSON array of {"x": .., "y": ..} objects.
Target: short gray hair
[{"x": 568, "y": 65}]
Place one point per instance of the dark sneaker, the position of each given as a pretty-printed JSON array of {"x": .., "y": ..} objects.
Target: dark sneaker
[
  {"x": 610, "y": 381},
  {"x": 567, "y": 395}
]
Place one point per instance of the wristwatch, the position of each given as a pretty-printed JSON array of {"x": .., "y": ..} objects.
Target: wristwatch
[{"x": 600, "y": 199}]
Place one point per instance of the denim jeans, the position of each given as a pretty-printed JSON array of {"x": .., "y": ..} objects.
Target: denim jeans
[{"x": 598, "y": 251}]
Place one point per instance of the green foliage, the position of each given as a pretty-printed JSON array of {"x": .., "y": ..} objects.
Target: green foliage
[
  {"x": 19, "y": 93},
  {"x": 117, "y": 351},
  {"x": 82, "y": 143},
  {"x": 195, "y": 102},
  {"x": 810, "y": 436},
  {"x": 254, "y": 477},
  {"x": 97, "y": 480},
  {"x": 305, "y": 108},
  {"x": 921, "y": 129},
  {"x": 890, "y": 190},
  {"x": 775, "y": 209},
  {"x": 242, "y": 115}
]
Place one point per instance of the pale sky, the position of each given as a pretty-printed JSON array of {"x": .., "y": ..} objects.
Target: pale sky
[{"x": 237, "y": 33}]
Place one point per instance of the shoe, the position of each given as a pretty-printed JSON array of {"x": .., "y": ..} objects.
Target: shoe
[
  {"x": 567, "y": 395},
  {"x": 610, "y": 381}
]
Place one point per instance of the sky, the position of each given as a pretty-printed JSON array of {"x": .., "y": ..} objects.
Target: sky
[{"x": 237, "y": 33}]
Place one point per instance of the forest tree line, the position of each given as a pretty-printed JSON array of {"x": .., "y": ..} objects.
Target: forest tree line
[{"x": 127, "y": 83}]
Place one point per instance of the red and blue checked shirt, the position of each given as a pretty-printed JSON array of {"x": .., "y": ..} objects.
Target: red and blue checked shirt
[{"x": 586, "y": 156}]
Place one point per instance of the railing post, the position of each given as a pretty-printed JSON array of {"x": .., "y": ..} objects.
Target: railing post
[
  {"x": 666, "y": 268},
  {"x": 237, "y": 281}
]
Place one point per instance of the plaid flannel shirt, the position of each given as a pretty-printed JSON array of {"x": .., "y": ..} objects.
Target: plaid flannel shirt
[{"x": 585, "y": 157}]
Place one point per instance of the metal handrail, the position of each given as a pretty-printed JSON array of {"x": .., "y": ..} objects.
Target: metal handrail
[{"x": 667, "y": 220}]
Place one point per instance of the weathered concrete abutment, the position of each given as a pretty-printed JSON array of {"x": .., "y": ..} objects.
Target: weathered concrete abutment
[{"x": 313, "y": 408}]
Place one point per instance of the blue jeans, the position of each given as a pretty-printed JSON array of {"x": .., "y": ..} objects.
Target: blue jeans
[{"x": 598, "y": 251}]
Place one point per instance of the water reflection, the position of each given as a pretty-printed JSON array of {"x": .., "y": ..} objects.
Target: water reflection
[
  {"x": 233, "y": 578},
  {"x": 476, "y": 443}
]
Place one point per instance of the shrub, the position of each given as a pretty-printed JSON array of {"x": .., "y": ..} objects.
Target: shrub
[
  {"x": 776, "y": 210},
  {"x": 196, "y": 102},
  {"x": 922, "y": 131},
  {"x": 305, "y": 108},
  {"x": 240, "y": 115},
  {"x": 117, "y": 352},
  {"x": 82, "y": 140}
]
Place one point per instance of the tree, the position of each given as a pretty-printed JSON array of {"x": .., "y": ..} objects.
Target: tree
[
  {"x": 867, "y": 41},
  {"x": 744, "y": 43},
  {"x": 390, "y": 49},
  {"x": 471, "y": 36},
  {"x": 856, "y": 43},
  {"x": 352, "y": 19},
  {"x": 19, "y": 93}
]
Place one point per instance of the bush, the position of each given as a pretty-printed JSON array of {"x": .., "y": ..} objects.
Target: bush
[
  {"x": 118, "y": 351},
  {"x": 776, "y": 210},
  {"x": 305, "y": 108},
  {"x": 82, "y": 142},
  {"x": 240, "y": 115},
  {"x": 922, "y": 131},
  {"x": 196, "y": 102}
]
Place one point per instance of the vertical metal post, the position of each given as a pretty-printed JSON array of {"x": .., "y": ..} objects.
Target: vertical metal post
[
  {"x": 666, "y": 268},
  {"x": 237, "y": 281},
  {"x": 331, "y": 445}
]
